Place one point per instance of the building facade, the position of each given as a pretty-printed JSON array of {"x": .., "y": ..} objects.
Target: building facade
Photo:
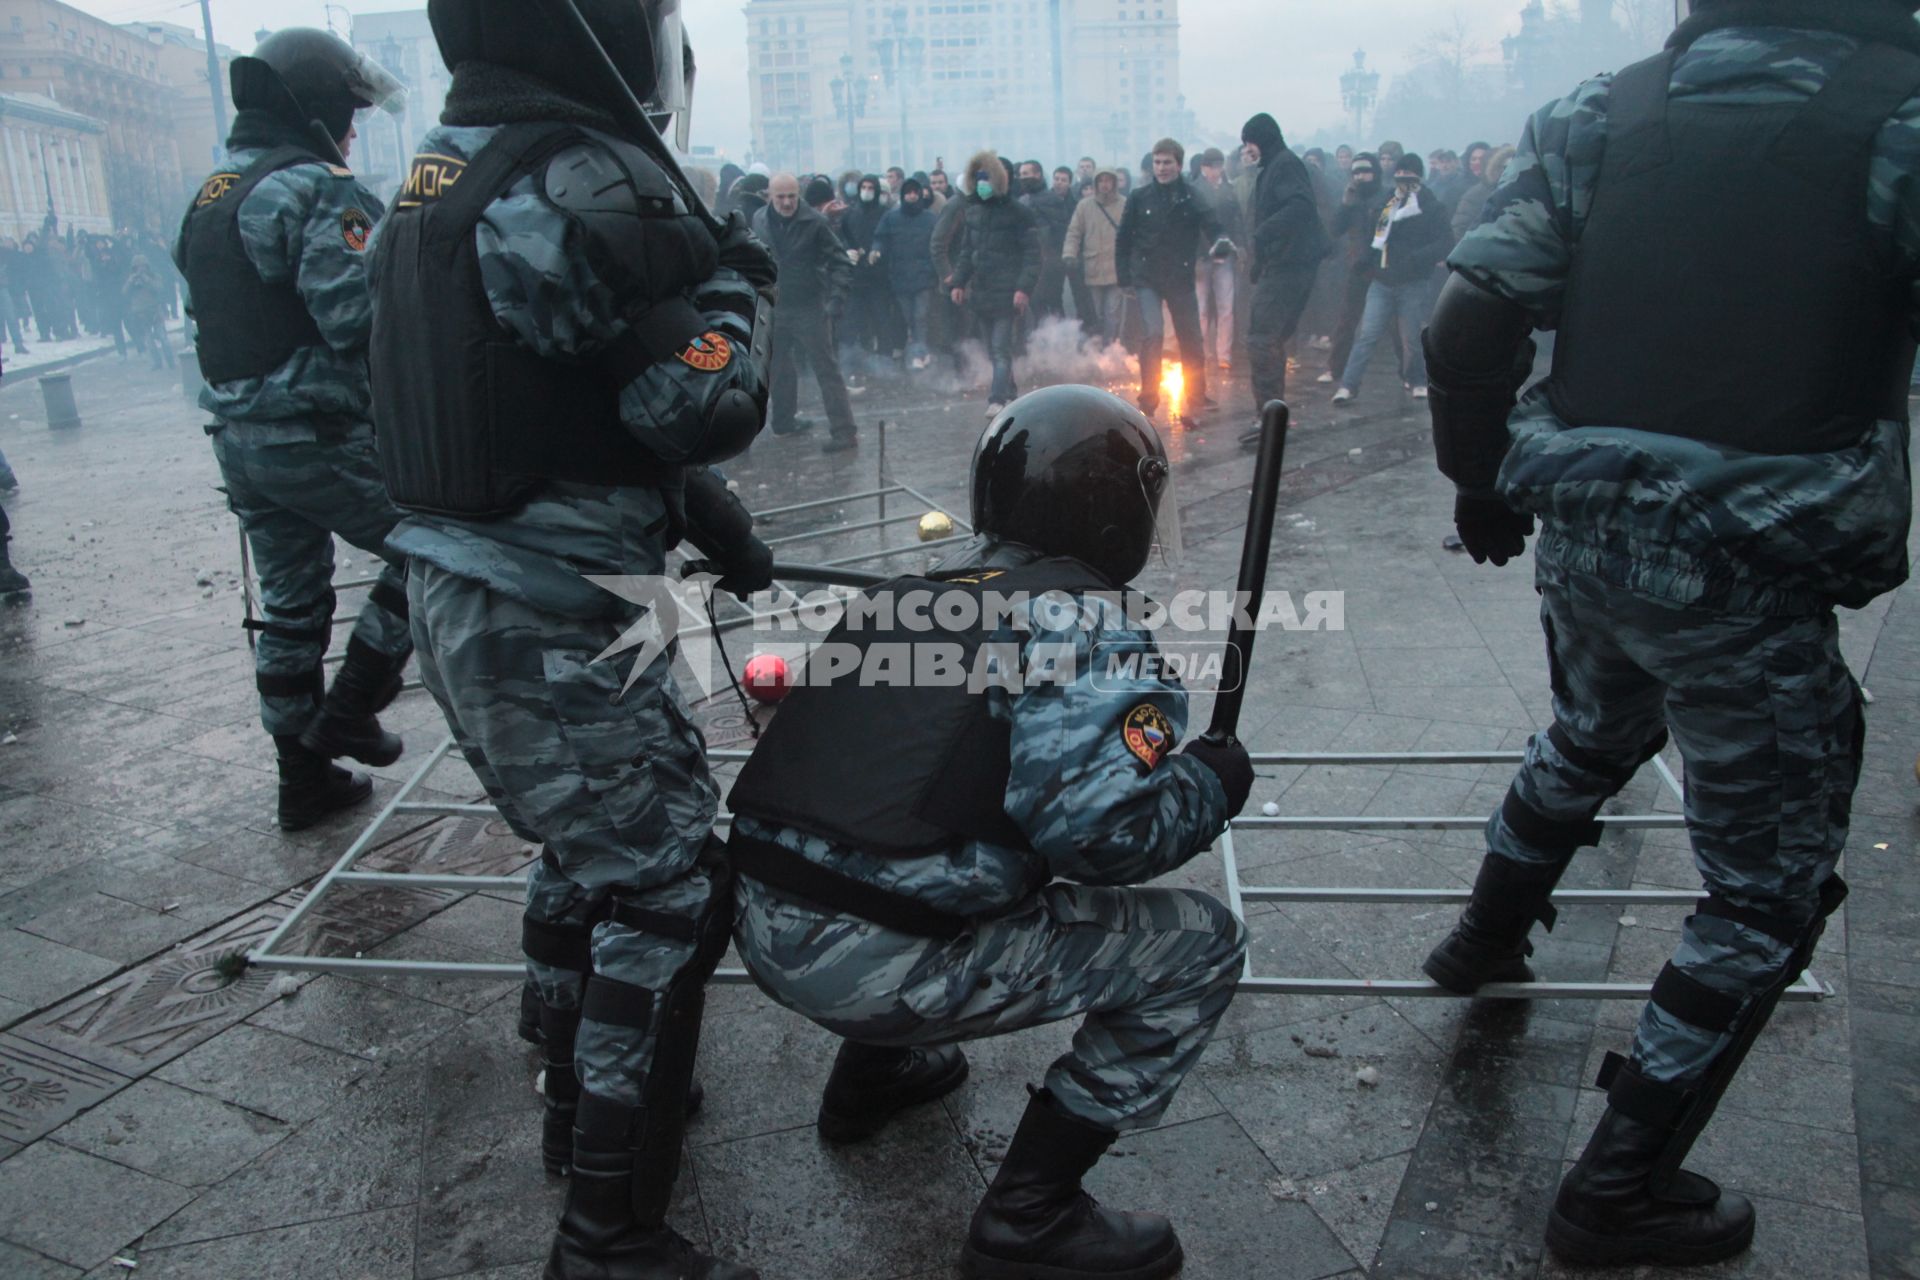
[
  {"x": 403, "y": 43},
  {"x": 869, "y": 83},
  {"x": 51, "y": 159},
  {"x": 181, "y": 53},
  {"x": 96, "y": 69}
]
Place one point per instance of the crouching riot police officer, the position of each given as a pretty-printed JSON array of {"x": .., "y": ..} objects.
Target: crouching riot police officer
[
  {"x": 563, "y": 337},
  {"x": 273, "y": 254},
  {"x": 924, "y": 864},
  {"x": 1718, "y": 459}
]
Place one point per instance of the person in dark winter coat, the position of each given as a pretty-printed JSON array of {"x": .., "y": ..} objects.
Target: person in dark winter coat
[
  {"x": 1353, "y": 228},
  {"x": 1409, "y": 240},
  {"x": 903, "y": 248},
  {"x": 814, "y": 281},
  {"x": 1165, "y": 223},
  {"x": 1289, "y": 242},
  {"x": 997, "y": 267},
  {"x": 866, "y": 326}
]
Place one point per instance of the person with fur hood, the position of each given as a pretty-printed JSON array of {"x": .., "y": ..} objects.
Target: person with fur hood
[
  {"x": 997, "y": 267},
  {"x": 1093, "y": 238}
]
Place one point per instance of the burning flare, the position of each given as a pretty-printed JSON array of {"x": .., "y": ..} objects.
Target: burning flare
[{"x": 1173, "y": 388}]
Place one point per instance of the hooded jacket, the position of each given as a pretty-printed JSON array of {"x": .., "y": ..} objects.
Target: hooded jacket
[
  {"x": 1287, "y": 231},
  {"x": 1093, "y": 236},
  {"x": 904, "y": 241},
  {"x": 1473, "y": 203},
  {"x": 814, "y": 271},
  {"x": 999, "y": 251}
]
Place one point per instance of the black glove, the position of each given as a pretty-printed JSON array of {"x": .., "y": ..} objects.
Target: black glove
[
  {"x": 1230, "y": 764},
  {"x": 741, "y": 251},
  {"x": 747, "y": 569},
  {"x": 1490, "y": 529},
  {"x": 722, "y": 529}
]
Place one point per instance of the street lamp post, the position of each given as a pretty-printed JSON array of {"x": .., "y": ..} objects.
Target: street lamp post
[
  {"x": 1359, "y": 90},
  {"x": 902, "y": 58},
  {"x": 849, "y": 100}
]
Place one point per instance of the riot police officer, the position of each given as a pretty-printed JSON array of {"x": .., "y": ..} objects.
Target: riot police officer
[
  {"x": 563, "y": 337},
  {"x": 925, "y": 863},
  {"x": 273, "y": 254},
  {"x": 1724, "y": 238}
]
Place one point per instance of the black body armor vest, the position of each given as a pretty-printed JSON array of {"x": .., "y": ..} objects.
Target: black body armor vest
[
  {"x": 899, "y": 770},
  {"x": 471, "y": 422},
  {"x": 1728, "y": 286},
  {"x": 244, "y": 327}
]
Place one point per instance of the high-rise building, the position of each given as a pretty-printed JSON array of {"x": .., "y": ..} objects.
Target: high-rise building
[
  {"x": 869, "y": 83},
  {"x": 403, "y": 43}
]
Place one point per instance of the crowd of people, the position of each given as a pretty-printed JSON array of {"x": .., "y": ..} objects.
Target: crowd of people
[
  {"x": 1253, "y": 250},
  {"x": 62, "y": 284}
]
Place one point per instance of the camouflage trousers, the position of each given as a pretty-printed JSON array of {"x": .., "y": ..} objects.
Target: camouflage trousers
[
  {"x": 616, "y": 787},
  {"x": 1769, "y": 723},
  {"x": 1153, "y": 971},
  {"x": 292, "y": 497}
]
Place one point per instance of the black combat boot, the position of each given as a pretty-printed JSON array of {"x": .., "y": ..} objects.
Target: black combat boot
[
  {"x": 1037, "y": 1224},
  {"x": 1490, "y": 942},
  {"x": 560, "y": 1087},
  {"x": 871, "y": 1084},
  {"x": 614, "y": 1226},
  {"x": 347, "y": 723},
  {"x": 528, "y": 1025},
  {"x": 1614, "y": 1211},
  {"x": 12, "y": 581},
  {"x": 311, "y": 786}
]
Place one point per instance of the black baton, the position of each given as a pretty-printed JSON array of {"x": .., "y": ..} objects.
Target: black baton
[
  {"x": 1254, "y": 554},
  {"x": 820, "y": 575}
]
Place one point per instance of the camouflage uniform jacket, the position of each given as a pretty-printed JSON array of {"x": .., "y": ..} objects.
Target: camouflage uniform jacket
[
  {"x": 556, "y": 293},
  {"x": 1672, "y": 518},
  {"x": 1095, "y": 812},
  {"x": 306, "y": 224}
]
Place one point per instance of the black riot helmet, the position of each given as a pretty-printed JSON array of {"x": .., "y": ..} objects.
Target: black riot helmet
[
  {"x": 301, "y": 75},
  {"x": 1072, "y": 471},
  {"x": 644, "y": 39}
]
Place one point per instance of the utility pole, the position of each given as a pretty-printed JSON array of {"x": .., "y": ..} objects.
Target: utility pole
[
  {"x": 1059, "y": 84},
  {"x": 213, "y": 77}
]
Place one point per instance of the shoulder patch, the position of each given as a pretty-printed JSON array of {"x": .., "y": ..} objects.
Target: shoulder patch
[
  {"x": 355, "y": 227},
  {"x": 431, "y": 177},
  {"x": 339, "y": 171},
  {"x": 1148, "y": 734},
  {"x": 214, "y": 188},
  {"x": 709, "y": 353}
]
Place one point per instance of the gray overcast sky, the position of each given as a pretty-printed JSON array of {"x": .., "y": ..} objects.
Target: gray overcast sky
[{"x": 1238, "y": 56}]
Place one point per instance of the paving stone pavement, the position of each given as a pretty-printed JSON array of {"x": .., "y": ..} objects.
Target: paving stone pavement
[{"x": 354, "y": 1125}]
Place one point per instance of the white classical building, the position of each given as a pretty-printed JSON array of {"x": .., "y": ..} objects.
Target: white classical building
[{"x": 51, "y": 159}]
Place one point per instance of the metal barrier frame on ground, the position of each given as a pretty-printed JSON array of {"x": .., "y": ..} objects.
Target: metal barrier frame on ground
[
  {"x": 1251, "y": 983},
  {"x": 343, "y": 871}
]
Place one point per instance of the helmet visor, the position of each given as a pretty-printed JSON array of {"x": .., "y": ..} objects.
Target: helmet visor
[
  {"x": 671, "y": 90},
  {"x": 372, "y": 85}
]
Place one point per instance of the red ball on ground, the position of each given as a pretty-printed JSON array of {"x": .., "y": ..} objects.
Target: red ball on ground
[{"x": 766, "y": 677}]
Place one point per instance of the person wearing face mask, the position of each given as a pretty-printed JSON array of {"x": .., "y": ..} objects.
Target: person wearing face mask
[
  {"x": 865, "y": 327},
  {"x": 1288, "y": 244},
  {"x": 996, "y": 269},
  {"x": 1410, "y": 236},
  {"x": 903, "y": 244},
  {"x": 1051, "y": 211},
  {"x": 1353, "y": 227}
]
